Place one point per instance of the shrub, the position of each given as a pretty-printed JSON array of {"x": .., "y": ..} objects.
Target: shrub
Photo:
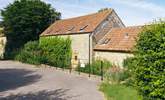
[
  {"x": 30, "y": 53},
  {"x": 57, "y": 50},
  {"x": 129, "y": 65},
  {"x": 51, "y": 51},
  {"x": 150, "y": 62}
]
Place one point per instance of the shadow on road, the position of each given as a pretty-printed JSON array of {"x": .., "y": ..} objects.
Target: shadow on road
[
  {"x": 14, "y": 78},
  {"x": 58, "y": 94}
]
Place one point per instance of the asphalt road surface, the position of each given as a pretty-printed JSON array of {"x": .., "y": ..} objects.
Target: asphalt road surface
[{"x": 27, "y": 82}]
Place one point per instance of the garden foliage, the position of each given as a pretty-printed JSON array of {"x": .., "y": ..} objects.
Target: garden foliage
[
  {"x": 25, "y": 20},
  {"x": 149, "y": 62},
  {"x": 57, "y": 50},
  {"x": 52, "y": 51}
]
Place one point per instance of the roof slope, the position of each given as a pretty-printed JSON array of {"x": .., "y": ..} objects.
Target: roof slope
[
  {"x": 87, "y": 23},
  {"x": 119, "y": 39}
]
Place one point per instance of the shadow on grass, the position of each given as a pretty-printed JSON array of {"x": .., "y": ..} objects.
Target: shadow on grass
[
  {"x": 14, "y": 78},
  {"x": 59, "y": 94}
]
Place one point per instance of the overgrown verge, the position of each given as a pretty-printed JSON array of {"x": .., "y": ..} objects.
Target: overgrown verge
[
  {"x": 118, "y": 83},
  {"x": 119, "y": 92},
  {"x": 52, "y": 51}
]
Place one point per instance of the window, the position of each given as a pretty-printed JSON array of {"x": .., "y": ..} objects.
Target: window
[
  {"x": 104, "y": 24},
  {"x": 82, "y": 28},
  {"x": 126, "y": 35},
  {"x": 75, "y": 58},
  {"x": 105, "y": 41},
  {"x": 71, "y": 28},
  {"x": 57, "y": 31}
]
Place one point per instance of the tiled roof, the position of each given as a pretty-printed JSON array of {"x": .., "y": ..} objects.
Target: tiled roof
[
  {"x": 119, "y": 39},
  {"x": 82, "y": 24}
]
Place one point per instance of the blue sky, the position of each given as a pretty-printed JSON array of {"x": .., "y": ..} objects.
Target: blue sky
[{"x": 132, "y": 12}]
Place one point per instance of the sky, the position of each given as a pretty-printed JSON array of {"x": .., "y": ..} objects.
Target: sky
[{"x": 132, "y": 12}]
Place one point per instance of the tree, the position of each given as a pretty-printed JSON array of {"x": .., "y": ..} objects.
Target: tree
[
  {"x": 24, "y": 20},
  {"x": 1, "y": 24},
  {"x": 150, "y": 62}
]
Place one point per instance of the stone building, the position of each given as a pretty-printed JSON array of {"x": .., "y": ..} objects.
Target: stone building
[
  {"x": 85, "y": 31},
  {"x": 2, "y": 43},
  {"x": 117, "y": 44},
  {"x": 88, "y": 34}
]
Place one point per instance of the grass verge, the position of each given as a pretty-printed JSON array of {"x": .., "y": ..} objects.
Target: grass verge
[{"x": 119, "y": 92}]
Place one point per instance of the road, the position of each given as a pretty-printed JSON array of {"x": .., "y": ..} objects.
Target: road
[{"x": 27, "y": 82}]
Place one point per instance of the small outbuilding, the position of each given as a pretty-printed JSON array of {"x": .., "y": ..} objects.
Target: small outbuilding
[{"x": 117, "y": 44}]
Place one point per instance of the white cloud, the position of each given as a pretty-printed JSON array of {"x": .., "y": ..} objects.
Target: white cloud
[
  {"x": 141, "y": 4},
  {"x": 132, "y": 12},
  {"x": 72, "y": 9},
  {"x": 137, "y": 12}
]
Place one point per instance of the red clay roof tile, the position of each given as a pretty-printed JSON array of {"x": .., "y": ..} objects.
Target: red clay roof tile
[
  {"x": 73, "y": 25},
  {"x": 121, "y": 39}
]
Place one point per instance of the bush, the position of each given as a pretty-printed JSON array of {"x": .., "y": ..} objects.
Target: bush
[
  {"x": 51, "y": 51},
  {"x": 149, "y": 68},
  {"x": 95, "y": 67},
  {"x": 129, "y": 65},
  {"x": 57, "y": 50},
  {"x": 30, "y": 53}
]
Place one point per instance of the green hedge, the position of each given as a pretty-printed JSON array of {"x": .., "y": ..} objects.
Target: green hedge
[
  {"x": 30, "y": 53},
  {"x": 57, "y": 50},
  {"x": 52, "y": 51},
  {"x": 149, "y": 62}
]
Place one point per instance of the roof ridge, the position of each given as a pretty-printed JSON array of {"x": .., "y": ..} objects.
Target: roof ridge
[
  {"x": 93, "y": 19},
  {"x": 105, "y": 11}
]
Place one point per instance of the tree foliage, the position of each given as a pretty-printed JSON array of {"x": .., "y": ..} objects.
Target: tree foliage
[
  {"x": 150, "y": 62},
  {"x": 30, "y": 53},
  {"x": 24, "y": 20}
]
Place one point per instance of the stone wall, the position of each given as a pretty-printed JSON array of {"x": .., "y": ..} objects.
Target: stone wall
[
  {"x": 80, "y": 46},
  {"x": 116, "y": 58},
  {"x": 2, "y": 46}
]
